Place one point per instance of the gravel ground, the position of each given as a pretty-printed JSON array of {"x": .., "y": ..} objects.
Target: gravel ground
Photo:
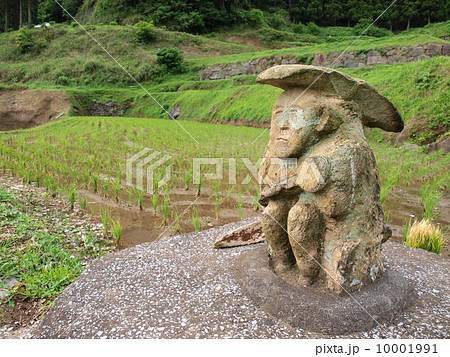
[{"x": 179, "y": 287}]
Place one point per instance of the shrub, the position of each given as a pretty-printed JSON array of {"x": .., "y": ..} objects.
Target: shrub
[
  {"x": 24, "y": 39},
  {"x": 149, "y": 71},
  {"x": 255, "y": 17},
  {"x": 62, "y": 80},
  {"x": 424, "y": 235},
  {"x": 277, "y": 20},
  {"x": 270, "y": 35},
  {"x": 374, "y": 31},
  {"x": 113, "y": 23},
  {"x": 313, "y": 29},
  {"x": 172, "y": 58},
  {"x": 145, "y": 31},
  {"x": 92, "y": 66},
  {"x": 299, "y": 28}
]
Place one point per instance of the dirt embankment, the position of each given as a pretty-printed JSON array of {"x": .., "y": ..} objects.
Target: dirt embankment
[{"x": 22, "y": 109}]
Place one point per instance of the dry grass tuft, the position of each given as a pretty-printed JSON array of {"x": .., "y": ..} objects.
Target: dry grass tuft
[{"x": 424, "y": 234}]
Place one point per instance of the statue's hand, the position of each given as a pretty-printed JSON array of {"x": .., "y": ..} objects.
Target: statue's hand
[{"x": 313, "y": 173}]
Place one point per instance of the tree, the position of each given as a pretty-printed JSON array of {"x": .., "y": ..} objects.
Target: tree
[
  {"x": 172, "y": 58},
  {"x": 335, "y": 11},
  {"x": 433, "y": 9},
  {"x": 20, "y": 14},
  {"x": 6, "y": 15},
  {"x": 29, "y": 14},
  {"x": 410, "y": 10}
]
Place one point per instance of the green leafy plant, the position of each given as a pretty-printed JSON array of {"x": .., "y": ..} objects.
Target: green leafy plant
[
  {"x": 24, "y": 39},
  {"x": 83, "y": 202},
  {"x": 172, "y": 58},
  {"x": 105, "y": 214},
  {"x": 155, "y": 199},
  {"x": 196, "y": 220},
  {"x": 430, "y": 198},
  {"x": 71, "y": 196},
  {"x": 145, "y": 31},
  {"x": 116, "y": 188},
  {"x": 116, "y": 231},
  {"x": 165, "y": 210}
]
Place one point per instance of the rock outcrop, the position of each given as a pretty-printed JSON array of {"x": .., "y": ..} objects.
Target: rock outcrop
[{"x": 352, "y": 59}]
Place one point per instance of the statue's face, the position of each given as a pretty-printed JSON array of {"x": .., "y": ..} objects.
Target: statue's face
[{"x": 293, "y": 122}]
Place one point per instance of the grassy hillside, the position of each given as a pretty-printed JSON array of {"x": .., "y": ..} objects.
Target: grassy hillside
[
  {"x": 66, "y": 55},
  {"x": 419, "y": 90}
]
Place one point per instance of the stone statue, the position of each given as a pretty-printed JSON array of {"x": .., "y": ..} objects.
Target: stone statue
[{"x": 323, "y": 219}]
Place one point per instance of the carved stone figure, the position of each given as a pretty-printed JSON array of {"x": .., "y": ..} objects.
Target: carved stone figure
[{"x": 323, "y": 219}]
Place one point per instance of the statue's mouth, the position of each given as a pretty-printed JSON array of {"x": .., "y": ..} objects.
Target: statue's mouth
[{"x": 282, "y": 140}]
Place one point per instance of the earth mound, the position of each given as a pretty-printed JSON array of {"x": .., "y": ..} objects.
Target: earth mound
[{"x": 23, "y": 109}]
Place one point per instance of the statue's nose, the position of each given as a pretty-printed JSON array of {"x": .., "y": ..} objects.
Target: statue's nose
[{"x": 283, "y": 122}]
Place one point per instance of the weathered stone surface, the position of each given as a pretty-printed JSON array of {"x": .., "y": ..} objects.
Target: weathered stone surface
[
  {"x": 441, "y": 145},
  {"x": 174, "y": 112},
  {"x": 108, "y": 109},
  {"x": 323, "y": 219},
  {"x": 446, "y": 50},
  {"x": 319, "y": 59},
  {"x": 434, "y": 48},
  {"x": 315, "y": 310},
  {"x": 377, "y": 110},
  {"x": 249, "y": 234},
  {"x": 374, "y": 60},
  {"x": 12, "y": 283},
  {"x": 415, "y": 51},
  {"x": 387, "y": 55}
]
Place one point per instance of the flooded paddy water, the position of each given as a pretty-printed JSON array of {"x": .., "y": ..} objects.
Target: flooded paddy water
[{"x": 401, "y": 205}]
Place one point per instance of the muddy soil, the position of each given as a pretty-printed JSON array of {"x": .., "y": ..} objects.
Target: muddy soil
[
  {"x": 22, "y": 109},
  {"x": 147, "y": 225}
]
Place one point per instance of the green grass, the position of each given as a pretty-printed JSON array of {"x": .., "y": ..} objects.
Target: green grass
[
  {"x": 68, "y": 149},
  {"x": 66, "y": 56},
  {"x": 38, "y": 252},
  {"x": 418, "y": 90}
]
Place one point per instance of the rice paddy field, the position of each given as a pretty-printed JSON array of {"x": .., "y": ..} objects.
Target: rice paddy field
[{"x": 84, "y": 161}]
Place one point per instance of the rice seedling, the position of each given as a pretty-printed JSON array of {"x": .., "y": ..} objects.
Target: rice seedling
[
  {"x": 116, "y": 231},
  {"x": 139, "y": 194},
  {"x": 240, "y": 205},
  {"x": 83, "y": 202},
  {"x": 430, "y": 198},
  {"x": 130, "y": 195},
  {"x": 37, "y": 178},
  {"x": 155, "y": 199},
  {"x": 116, "y": 188},
  {"x": 424, "y": 235},
  {"x": 71, "y": 195},
  {"x": 85, "y": 178},
  {"x": 105, "y": 187},
  {"x": 199, "y": 187},
  {"x": 256, "y": 198},
  {"x": 165, "y": 211},
  {"x": 95, "y": 183},
  {"x": 105, "y": 214},
  {"x": 196, "y": 219},
  {"x": 176, "y": 223}
]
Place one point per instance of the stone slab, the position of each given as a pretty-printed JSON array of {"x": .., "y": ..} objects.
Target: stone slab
[{"x": 248, "y": 234}]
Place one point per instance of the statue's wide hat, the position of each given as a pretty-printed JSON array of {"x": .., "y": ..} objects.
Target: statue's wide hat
[{"x": 376, "y": 109}]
